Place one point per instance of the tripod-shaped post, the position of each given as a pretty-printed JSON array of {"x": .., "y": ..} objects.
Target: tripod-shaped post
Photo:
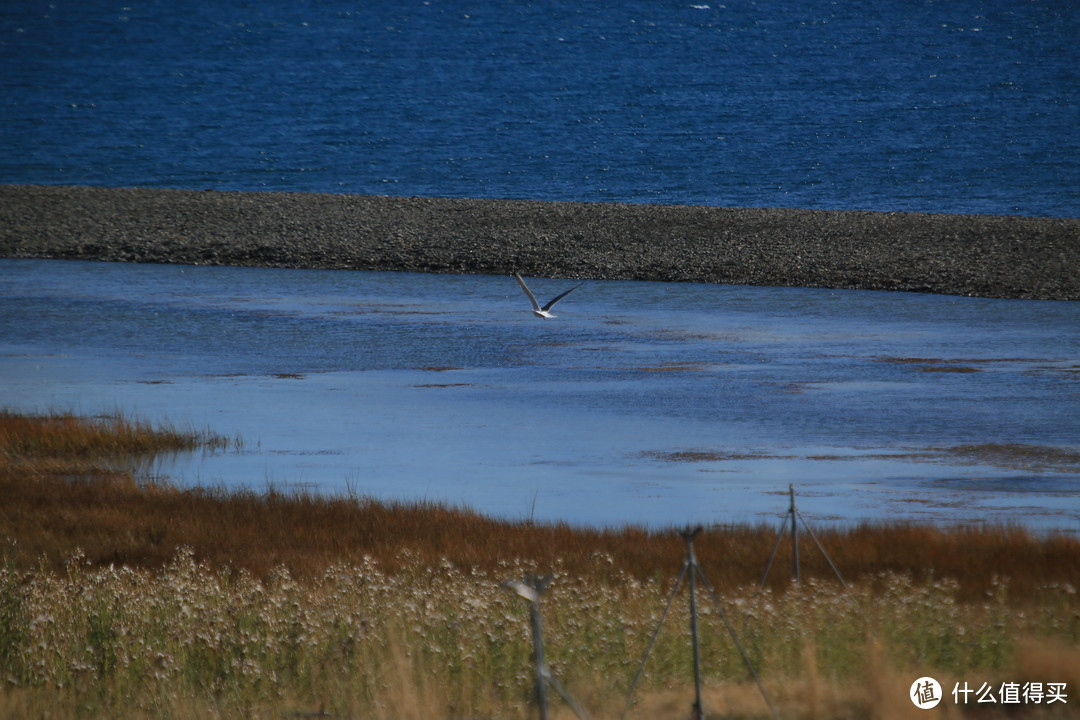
[
  {"x": 794, "y": 536},
  {"x": 533, "y": 589},
  {"x": 691, "y": 568},
  {"x": 792, "y": 513},
  {"x": 688, "y": 536}
]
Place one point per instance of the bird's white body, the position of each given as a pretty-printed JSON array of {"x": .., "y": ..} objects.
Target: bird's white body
[{"x": 545, "y": 311}]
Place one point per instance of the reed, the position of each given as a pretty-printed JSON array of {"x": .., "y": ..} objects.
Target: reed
[
  {"x": 116, "y": 520},
  {"x": 191, "y": 639},
  {"x": 64, "y": 435}
]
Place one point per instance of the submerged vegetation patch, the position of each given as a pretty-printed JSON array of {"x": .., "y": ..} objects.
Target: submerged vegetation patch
[
  {"x": 692, "y": 456},
  {"x": 960, "y": 365},
  {"x": 673, "y": 367},
  {"x": 1011, "y": 455},
  {"x": 952, "y": 361},
  {"x": 1018, "y": 455},
  {"x": 442, "y": 385}
]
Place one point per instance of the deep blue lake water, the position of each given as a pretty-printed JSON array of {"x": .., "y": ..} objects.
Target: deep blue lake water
[
  {"x": 641, "y": 402},
  {"x": 926, "y": 105}
]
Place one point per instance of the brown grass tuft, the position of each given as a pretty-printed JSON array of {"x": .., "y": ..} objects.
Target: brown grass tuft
[{"x": 62, "y": 435}]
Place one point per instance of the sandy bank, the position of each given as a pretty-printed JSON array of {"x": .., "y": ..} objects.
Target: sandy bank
[{"x": 990, "y": 256}]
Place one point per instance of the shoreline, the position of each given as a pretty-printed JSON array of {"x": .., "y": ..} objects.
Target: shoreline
[
  {"x": 973, "y": 255},
  {"x": 150, "y": 521}
]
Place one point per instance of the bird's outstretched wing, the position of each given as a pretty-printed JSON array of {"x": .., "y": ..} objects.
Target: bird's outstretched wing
[
  {"x": 558, "y": 297},
  {"x": 532, "y": 298}
]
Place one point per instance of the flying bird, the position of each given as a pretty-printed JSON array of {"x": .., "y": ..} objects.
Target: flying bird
[{"x": 542, "y": 312}]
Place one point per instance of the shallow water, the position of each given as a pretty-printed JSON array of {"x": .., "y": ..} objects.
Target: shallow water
[{"x": 641, "y": 402}]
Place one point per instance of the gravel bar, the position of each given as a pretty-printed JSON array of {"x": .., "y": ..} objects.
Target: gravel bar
[{"x": 977, "y": 255}]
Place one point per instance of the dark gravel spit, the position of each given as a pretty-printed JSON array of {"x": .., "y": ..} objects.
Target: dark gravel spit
[{"x": 978, "y": 255}]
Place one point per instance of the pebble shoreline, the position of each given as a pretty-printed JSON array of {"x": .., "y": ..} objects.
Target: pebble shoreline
[{"x": 977, "y": 255}]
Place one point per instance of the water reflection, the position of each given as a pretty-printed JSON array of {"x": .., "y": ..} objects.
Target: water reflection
[{"x": 643, "y": 402}]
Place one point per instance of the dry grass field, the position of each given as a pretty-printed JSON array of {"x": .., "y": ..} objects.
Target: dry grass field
[{"x": 120, "y": 599}]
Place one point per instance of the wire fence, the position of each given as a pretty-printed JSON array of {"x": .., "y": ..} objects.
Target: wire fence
[{"x": 533, "y": 588}]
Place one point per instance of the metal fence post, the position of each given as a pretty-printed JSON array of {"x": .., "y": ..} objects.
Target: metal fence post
[
  {"x": 693, "y": 569},
  {"x": 539, "y": 665},
  {"x": 794, "y": 534},
  {"x": 532, "y": 589},
  {"x": 689, "y": 535}
]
